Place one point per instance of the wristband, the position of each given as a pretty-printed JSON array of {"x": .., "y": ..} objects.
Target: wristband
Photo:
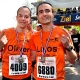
[{"x": 69, "y": 48}]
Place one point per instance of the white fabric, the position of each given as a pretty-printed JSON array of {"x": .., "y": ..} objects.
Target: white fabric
[{"x": 4, "y": 39}]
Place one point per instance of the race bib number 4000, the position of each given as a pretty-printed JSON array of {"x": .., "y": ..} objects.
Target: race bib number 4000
[
  {"x": 46, "y": 70},
  {"x": 16, "y": 68}
]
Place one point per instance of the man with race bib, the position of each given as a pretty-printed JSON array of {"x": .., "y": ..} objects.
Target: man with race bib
[
  {"x": 16, "y": 60},
  {"x": 49, "y": 45}
]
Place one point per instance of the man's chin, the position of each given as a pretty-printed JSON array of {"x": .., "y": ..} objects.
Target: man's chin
[
  {"x": 47, "y": 23},
  {"x": 22, "y": 27}
]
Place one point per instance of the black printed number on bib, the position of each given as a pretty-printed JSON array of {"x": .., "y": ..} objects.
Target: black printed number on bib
[
  {"x": 46, "y": 70},
  {"x": 18, "y": 67}
]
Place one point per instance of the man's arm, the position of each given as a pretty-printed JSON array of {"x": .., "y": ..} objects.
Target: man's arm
[
  {"x": 33, "y": 58},
  {"x": 33, "y": 55},
  {"x": 71, "y": 56},
  {"x": 3, "y": 40},
  {"x": 70, "y": 53}
]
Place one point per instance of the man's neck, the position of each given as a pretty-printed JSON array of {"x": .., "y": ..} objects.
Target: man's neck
[
  {"x": 21, "y": 29},
  {"x": 47, "y": 27}
]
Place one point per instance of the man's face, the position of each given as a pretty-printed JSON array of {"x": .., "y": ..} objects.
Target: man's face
[
  {"x": 23, "y": 18},
  {"x": 45, "y": 15}
]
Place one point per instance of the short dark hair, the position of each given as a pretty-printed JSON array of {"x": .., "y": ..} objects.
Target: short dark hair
[
  {"x": 24, "y": 7},
  {"x": 43, "y": 2}
]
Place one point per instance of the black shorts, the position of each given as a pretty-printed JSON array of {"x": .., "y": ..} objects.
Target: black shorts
[{"x": 4, "y": 78}]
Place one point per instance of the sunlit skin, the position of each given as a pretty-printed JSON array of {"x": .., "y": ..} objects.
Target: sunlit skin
[
  {"x": 45, "y": 15},
  {"x": 23, "y": 18}
]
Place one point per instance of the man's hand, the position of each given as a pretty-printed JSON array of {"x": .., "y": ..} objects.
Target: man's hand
[
  {"x": 2, "y": 33},
  {"x": 65, "y": 41}
]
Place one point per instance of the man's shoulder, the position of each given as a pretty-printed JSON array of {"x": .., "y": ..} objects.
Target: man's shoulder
[
  {"x": 37, "y": 33},
  {"x": 9, "y": 29},
  {"x": 58, "y": 29}
]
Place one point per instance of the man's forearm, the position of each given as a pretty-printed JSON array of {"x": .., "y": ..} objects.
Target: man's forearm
[
  {"x": 1, "y": 44},
  {"x": 71, "y": 56}
]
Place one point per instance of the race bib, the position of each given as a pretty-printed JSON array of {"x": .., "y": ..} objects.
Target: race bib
[
  {"x": 46, "y": 70},
  {"x": 16, "y": 68},
  {"x": 75, "y": 40}
]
